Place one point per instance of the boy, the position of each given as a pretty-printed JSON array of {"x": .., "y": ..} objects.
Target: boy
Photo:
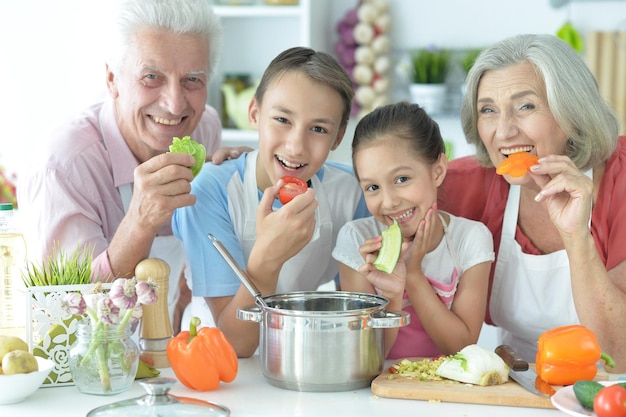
[{"x": 301, "y": 110}]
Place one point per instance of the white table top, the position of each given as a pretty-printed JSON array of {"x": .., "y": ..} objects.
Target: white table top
[{"x": 251, "y": 395}]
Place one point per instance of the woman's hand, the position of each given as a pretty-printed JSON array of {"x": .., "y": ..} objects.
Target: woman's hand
[{"x": 567, "y": 193}]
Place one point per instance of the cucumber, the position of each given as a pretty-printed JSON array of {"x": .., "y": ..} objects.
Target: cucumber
[
  {"x": 389, "y": 252},
  {"x": 586, "y": 391}
]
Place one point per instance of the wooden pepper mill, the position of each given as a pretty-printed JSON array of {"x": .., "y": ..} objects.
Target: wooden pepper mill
[{"x": 155, "y": 328}]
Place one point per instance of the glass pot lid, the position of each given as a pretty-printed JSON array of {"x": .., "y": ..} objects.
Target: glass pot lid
[{"x": 157, "y": 402}]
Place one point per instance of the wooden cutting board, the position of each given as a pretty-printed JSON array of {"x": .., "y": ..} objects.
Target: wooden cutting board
[{"x": 509, "y": 393}]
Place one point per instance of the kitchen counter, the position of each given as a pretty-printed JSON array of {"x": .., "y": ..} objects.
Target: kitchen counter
[{"x": 251, "y": 395}]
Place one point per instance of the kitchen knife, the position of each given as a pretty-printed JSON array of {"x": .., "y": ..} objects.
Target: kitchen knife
[{"x": 521, "y": 373}]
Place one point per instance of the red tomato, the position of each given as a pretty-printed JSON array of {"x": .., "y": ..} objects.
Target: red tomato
[
  {"x": 293, "y": 186},
  {"x": 610, "y": 402}
]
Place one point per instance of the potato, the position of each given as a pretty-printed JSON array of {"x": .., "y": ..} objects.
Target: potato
[
  {"x": 11, "y": 343},
  {"x": 19, "y": 362}
]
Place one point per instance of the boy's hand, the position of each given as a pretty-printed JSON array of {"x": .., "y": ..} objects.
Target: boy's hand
[{"x": 281, "y": 234}]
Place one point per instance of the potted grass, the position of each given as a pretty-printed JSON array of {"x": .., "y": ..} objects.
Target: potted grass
[
  {"x": 467, "y": 62},
  {"x": 50, "y": 330},
  {"x": 429, "y": 69}
]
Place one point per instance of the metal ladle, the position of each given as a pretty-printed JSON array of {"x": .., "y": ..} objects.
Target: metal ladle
[{"x": 241, "y": 274}]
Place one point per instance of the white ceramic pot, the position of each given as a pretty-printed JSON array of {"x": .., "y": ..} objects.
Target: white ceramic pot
[{"x": 431, "y": 97}]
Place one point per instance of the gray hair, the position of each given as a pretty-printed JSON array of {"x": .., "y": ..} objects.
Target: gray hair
[
  {"x": 195, "y": 17},
  {"x": 571, "y": 89}
]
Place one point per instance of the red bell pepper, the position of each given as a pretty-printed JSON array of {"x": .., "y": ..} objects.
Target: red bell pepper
[{"x": 202, "y": 358}]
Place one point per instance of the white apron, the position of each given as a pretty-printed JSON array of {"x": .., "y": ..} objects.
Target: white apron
[
  {"x": 305, "y": 271},
  {"x": 531, "y": 293},
  {"x": 168, "y": 248}
]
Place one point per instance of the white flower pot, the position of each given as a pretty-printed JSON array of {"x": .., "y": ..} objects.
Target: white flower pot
[
  {"x": 431, "y": 97},
  {"x": 50, "y": 330}
]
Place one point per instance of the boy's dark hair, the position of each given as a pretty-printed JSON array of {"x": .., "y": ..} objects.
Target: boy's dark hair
[
  {"x": 401, "y": 120},
  {"x": 319, "y": 66}
]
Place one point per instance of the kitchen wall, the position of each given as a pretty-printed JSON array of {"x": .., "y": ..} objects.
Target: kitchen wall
[
  {"x": 466, "y": 24},
  {"x": 51, "y": 65}
]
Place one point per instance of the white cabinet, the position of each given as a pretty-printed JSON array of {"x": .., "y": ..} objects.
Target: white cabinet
[{"x": 255, "y": 34}]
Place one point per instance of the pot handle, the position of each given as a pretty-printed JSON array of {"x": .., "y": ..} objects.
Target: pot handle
[
  {"x": 250, "y": 314},
  {"x": 389, "y": 319}
]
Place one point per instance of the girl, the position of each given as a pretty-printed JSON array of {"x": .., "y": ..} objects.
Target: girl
[{"x": 442, "y": 276}]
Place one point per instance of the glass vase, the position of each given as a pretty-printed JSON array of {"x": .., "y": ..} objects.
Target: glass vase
[{"x": 103, "y": 359}]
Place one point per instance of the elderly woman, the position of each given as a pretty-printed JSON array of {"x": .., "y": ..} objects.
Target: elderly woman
[{"x": 560, "y": 229}]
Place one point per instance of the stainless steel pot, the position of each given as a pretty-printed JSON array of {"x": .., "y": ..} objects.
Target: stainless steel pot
[{"x": 322, "y": 341}]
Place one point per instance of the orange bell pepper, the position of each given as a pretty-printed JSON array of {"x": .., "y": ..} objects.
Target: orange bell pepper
[
  {"x": 517, "y": 164},
  {"x": 568, "y": 354},
  {"x": 201, "y": 358}
]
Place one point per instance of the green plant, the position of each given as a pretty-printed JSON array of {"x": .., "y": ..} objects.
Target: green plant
[
  {"x": 60, "y": 269},
  {"x": 430, "y": 65},
  {"x": 469, "y": 58}
]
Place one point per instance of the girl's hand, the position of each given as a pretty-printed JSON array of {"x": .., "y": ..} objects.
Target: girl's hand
[
  {"x": 421, "y": 243},
  {"x": 387, "y": 285},
  {"x": 567, "y": 193}
]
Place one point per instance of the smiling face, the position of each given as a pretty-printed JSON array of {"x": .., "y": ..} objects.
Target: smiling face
[
  {"x": 160, "y": 89},
  {"x": 397, "y": 183},
  {"x": 299, "y": 123},
  {"x": 513, "y": 116}
]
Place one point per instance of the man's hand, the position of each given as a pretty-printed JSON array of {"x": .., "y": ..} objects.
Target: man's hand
[
  {"x": 227, "y": 152},
  {"x": 162, "y": 184}
]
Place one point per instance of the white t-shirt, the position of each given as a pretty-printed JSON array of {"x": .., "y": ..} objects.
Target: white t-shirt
[{"x": 470, "y": 241}]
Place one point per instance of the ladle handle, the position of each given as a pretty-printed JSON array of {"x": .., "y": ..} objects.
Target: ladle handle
[{"x": 243, "y": 276}]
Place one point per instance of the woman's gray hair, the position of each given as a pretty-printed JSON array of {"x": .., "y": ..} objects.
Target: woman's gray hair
[
  {"x": 571, "y": 89},
  {"x": 195, "y": 17}
]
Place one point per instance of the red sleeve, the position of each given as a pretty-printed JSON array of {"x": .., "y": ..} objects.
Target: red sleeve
[
  {"x": 475, "y": 192},
  {"x": 608, "y": 219}
]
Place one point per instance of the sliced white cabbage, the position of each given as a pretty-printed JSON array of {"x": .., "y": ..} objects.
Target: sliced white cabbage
[{"x": 475, "y": 365}]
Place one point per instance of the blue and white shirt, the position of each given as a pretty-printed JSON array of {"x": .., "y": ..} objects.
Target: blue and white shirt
[{"x": 227, "y": 199}]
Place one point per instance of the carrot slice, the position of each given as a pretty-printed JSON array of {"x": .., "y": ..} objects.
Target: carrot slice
[{"x": 517, "y": 164}]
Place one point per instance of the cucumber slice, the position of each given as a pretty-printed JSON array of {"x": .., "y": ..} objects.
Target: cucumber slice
[{"x": 390, "y": 249}]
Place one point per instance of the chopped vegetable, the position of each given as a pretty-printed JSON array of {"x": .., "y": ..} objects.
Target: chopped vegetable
[
  {"x": 517, "y": 164},
  {"x": 191, "y": 147},
  {"x": 567, "y": 354},
  {"x": 475, "y": 365},
  {"x": 389, "y": 252},
  {"x": 423, "y": 369},
  {"x": 201, "y": 358}
]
